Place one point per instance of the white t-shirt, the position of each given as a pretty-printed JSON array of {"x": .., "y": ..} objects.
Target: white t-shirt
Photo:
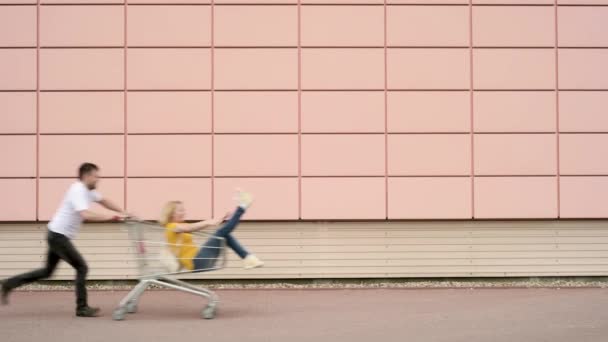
[{"x": 67, "y": 219}]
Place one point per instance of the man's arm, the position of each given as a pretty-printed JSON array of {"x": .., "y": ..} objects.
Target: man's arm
[
  {"x": 91, "y": 216},
  {"x": 106, "y": 203},
  {"x": 81, "y": 204}
]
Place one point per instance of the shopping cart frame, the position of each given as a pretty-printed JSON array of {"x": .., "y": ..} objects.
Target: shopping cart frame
[{"x": 147, "y": 278}]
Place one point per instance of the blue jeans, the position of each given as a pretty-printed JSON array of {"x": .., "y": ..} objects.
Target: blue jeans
[{"x": 208, "y": 254}]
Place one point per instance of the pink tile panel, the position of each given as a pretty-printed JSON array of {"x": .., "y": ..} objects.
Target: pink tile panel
[
  {"x": 342, "y": 69},
  {"x": 22, "y": 204},
  {"x": 342, "y": 26},
  {"x": 343, "y": 155},
  {"x": 583, "y": 111},
  {"x": 256, "y": 25},
  {"x": 163, "y": 2},
  {"x": 169, "y": 26},
  {"x": 495, "y": 26},
  {"x": 583, "y": 197},
  {"x": 256, "y": 112},
  {"x": 274, "y": 198},
  {"x": 427, "y": 25},
  {"x": 513, "y": 2},
  {"x": 81, "y": 69},
  {"x": 244, "y": 69},
  {"x": 255, "y": 2},
  {"x": 18, "y": 69},
  {"x": 18, "y": 155},
  {"x": 81, "y": 112},
  {"x": 514, "y": 69},
  {"x": 324, "y": 2},
  {"x": 169, "y": 155},
  {"x": 429, "y": 198},
  {"x": 343, "y": 198},
  {"x": 147, "y": 196},
  {"x": 256, "y": 155},
  {"x": 89, "y": 2},
  {"x": 169, "y": 69},
  {"x": 428, "y": 69},
  {"x": 583, "y": 69},
  {"x": 17, "y": 2},
  {"x": 342, "y": 112},
  {"x": 18, "y": 26},
  {"x": 429, "y": 112},
  {"x": 169, "y": 112},
  {"x": 583, "y": 26},
  {"x": 429, "y": 154},
  {"x": 73, "y": 26},
  {"x": 582, "y": 2},
  {"x": 515, "y": 154},
  {"x": 517, "y": 111},
  {"x": 583, "y": 154},
  {"x": 60, "y": 155},
  {"x": 18, "y": 113},
  {"x": 429, "y": 2},
  {"x": 515, "y": 197}
]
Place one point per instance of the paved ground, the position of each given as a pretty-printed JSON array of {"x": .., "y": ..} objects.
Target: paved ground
[{"x": 428, "y": 315}]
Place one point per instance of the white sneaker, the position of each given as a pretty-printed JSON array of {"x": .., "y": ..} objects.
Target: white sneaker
[
  {"x": 251, "y": 261},
  {"x": 244, "y": 199}
]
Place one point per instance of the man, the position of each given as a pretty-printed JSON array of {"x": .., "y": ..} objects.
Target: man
[{"x": 64, "y": 226}]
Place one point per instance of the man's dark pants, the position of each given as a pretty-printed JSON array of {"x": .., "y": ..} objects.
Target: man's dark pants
[{"x": 59, "y": 248}]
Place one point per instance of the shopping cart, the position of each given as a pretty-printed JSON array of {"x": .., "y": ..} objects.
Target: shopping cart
[{"x": 149, "y": 249}]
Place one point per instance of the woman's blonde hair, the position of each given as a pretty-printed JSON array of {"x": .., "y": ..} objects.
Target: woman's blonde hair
[{"x": 167, "y": 213}]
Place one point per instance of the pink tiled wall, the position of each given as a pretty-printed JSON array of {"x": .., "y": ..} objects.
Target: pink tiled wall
[{"x": 326, "y": 109}]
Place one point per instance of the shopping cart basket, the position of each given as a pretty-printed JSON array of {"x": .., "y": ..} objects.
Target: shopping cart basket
[{"x": 149, "y": 247}]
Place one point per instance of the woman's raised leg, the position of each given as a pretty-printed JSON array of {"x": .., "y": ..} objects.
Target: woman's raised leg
[
  {"x": 208, "y": 254},
  {"x": 231, "y": 224},
  {"x": 236, "y": 246}
]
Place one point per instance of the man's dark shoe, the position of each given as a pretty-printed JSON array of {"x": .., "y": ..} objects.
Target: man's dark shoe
[
  {"x": 4, "y": 296},
  {"x": 87, "y": 311}
]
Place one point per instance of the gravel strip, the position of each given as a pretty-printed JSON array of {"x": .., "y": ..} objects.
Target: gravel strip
[{"x": 347, "y": 284}]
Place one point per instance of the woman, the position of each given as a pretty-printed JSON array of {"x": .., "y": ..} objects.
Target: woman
[{"x": 179, "y": 236}]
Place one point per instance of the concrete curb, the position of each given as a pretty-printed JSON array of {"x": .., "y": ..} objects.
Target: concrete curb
[{"x": 324, "y": 284}]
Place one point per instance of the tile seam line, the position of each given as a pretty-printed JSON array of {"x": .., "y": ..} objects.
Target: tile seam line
[
  {"x": 308, "y": 133},
  {"x": 306, "y": 47},
  {"x": 557, "y": 127},
  {"x": 37, "y": 206},
  {"x": 294, "y": 3},
  {"x": 212, "y": 94},
  {"x": 125, "y": 99},
  {"x": 472, "y": 113},
  {"x": 299, "y": 90},
  {"x": 386, "y": 156},
  {"x": 328, "y": 175}
]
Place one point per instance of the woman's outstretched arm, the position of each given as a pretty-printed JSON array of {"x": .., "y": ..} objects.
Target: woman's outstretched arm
[{"x": 196, "y": 226}]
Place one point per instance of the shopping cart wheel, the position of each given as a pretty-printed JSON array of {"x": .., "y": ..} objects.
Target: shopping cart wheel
[
  {"x": 119, "y": 314},
  {"x": 208, "y": 312},
  {"x": 131, "y": 307}
]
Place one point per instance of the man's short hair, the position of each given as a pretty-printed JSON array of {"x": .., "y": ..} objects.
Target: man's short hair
[{"x": 86, "y": 168}]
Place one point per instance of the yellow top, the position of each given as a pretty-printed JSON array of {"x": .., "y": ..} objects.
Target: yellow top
[{"x": 182, "y": 246}]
